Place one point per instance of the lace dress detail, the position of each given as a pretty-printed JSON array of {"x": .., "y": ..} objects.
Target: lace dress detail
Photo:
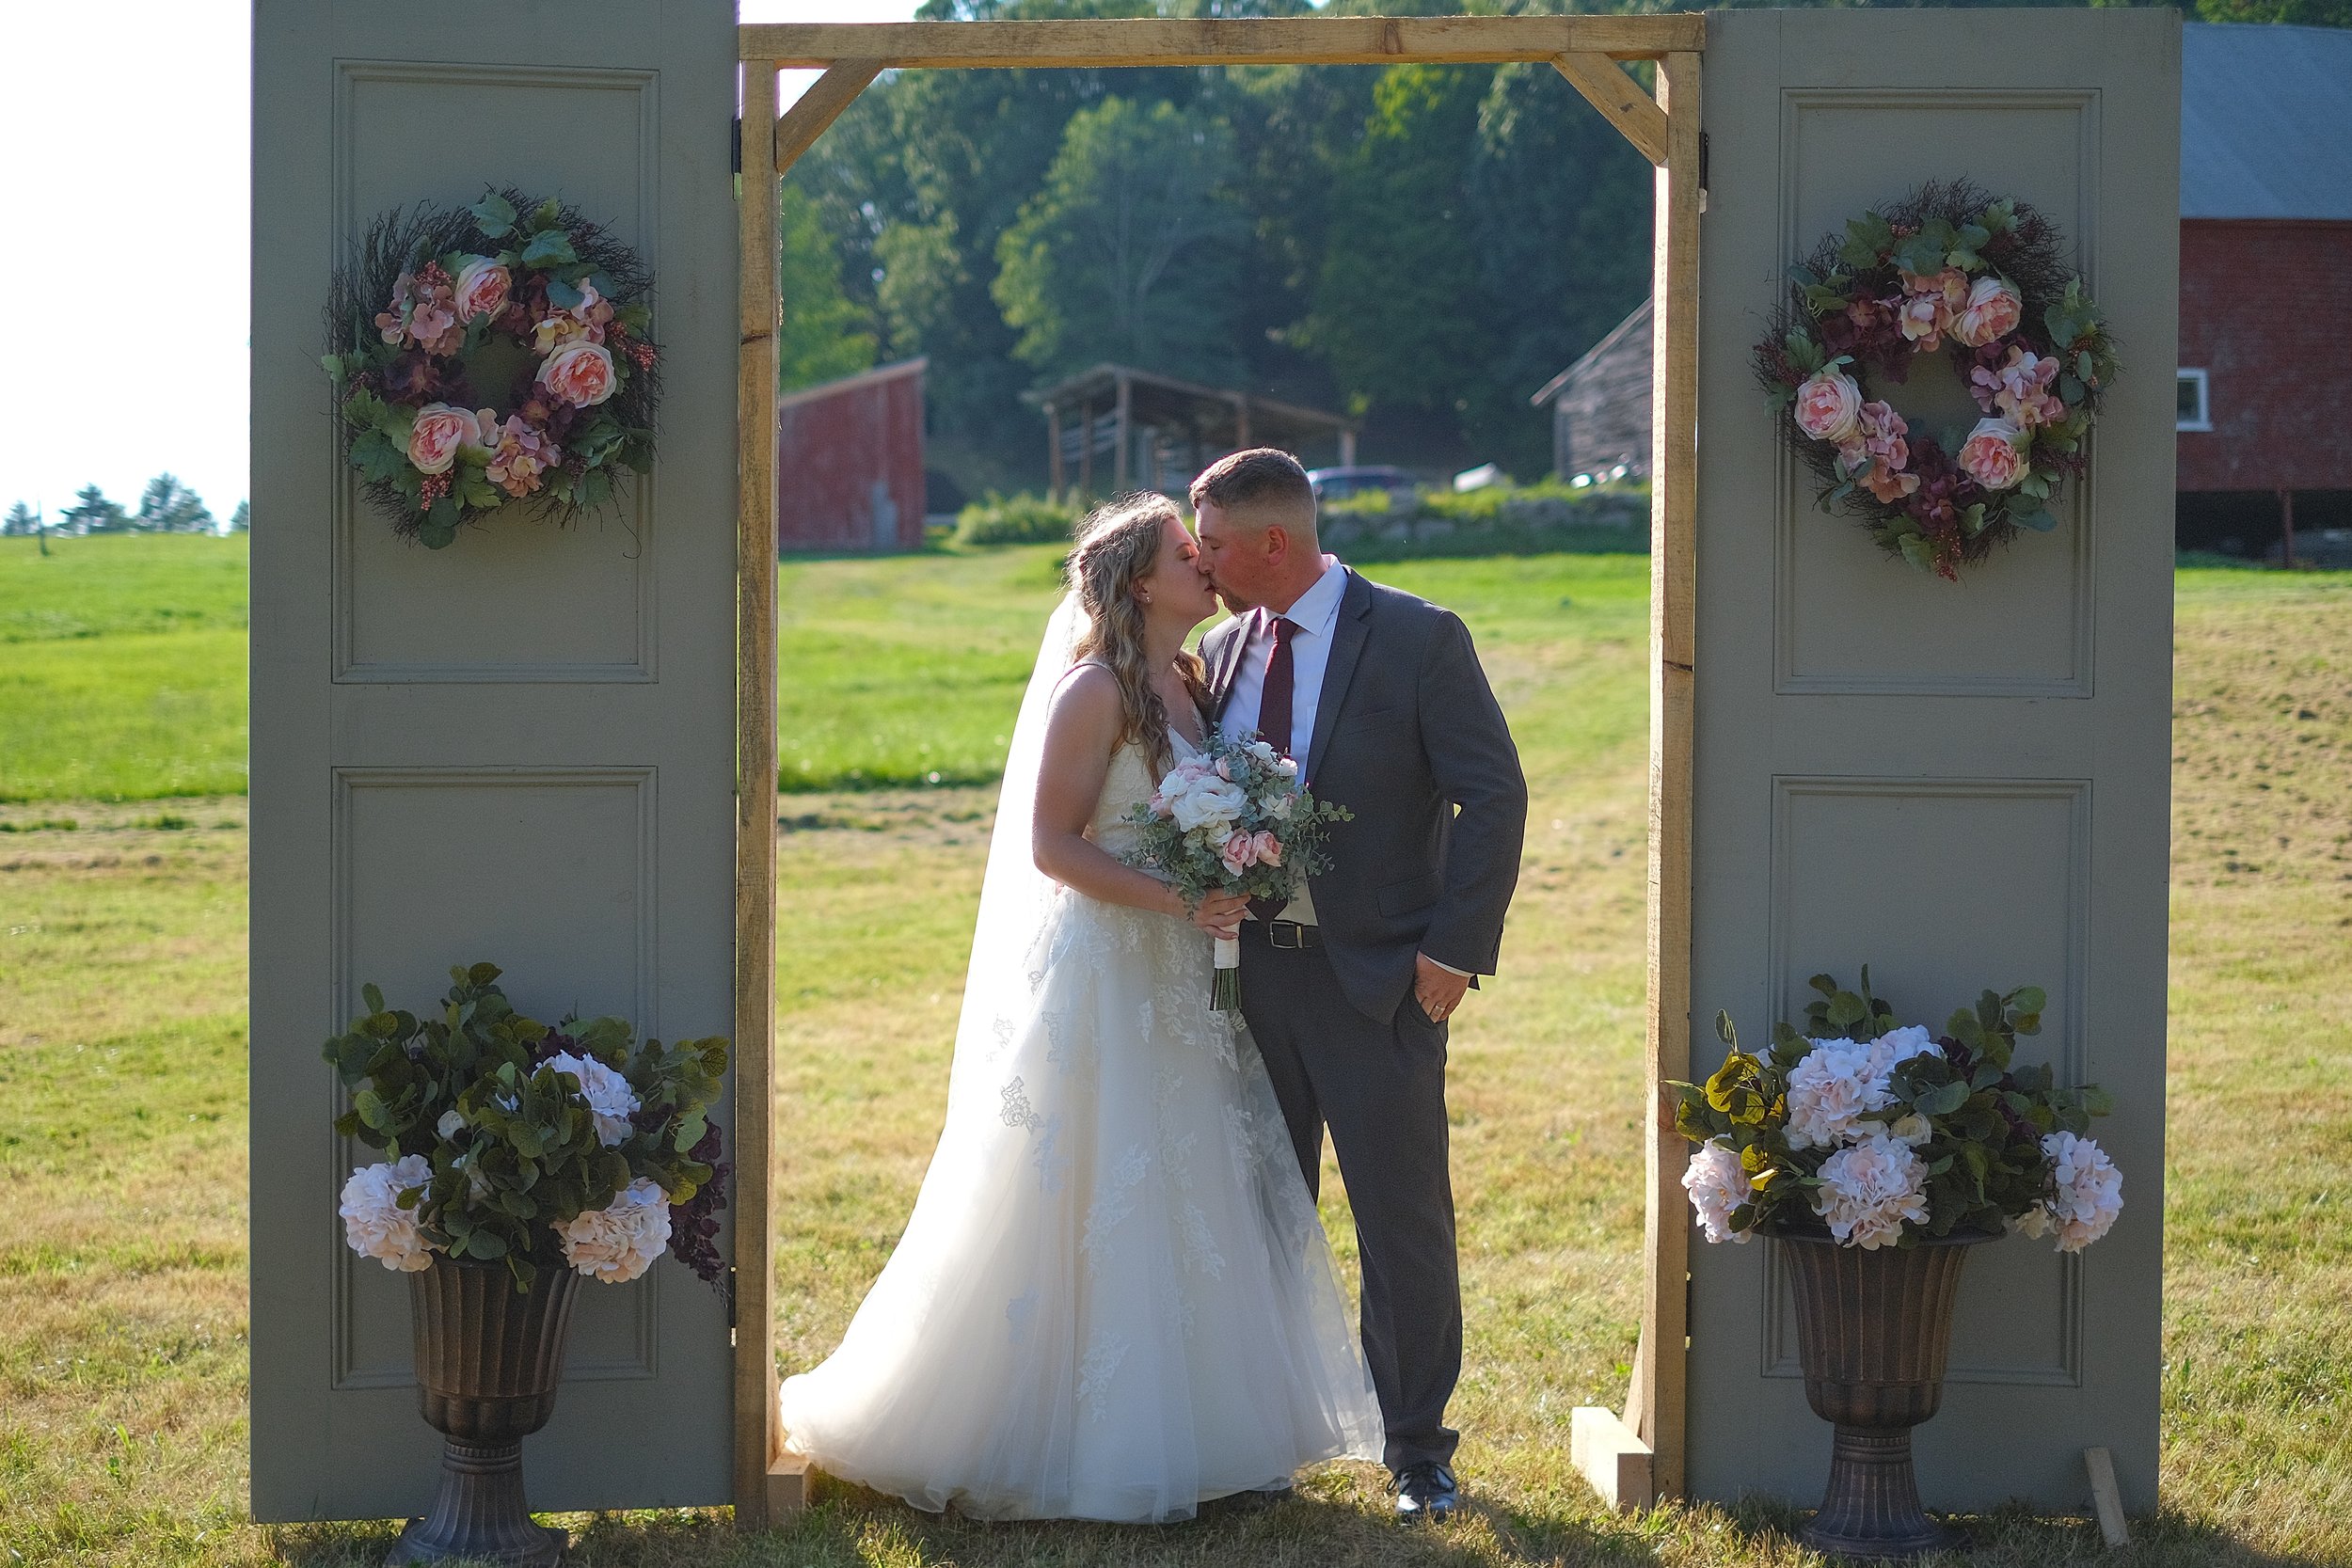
[{"x": 1114, "y": 1299}]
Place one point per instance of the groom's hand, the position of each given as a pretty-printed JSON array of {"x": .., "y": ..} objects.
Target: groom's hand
[
  {"x": 1220, "y": 913},
  {"x": 1437, "y": 988}
]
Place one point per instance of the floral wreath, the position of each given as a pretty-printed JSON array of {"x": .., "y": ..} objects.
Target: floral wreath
[
  {"x": 1945, "y": 268},
  {"x": 451, "y": 315}
]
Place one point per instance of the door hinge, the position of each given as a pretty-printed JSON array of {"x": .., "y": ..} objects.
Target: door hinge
[
  {"x": 735, "y": 148},
  {"x": 1702, "y": 160},
  {"x": 730, "y": 1296}
]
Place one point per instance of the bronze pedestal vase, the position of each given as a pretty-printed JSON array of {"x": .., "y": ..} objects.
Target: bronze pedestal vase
[
  {"x": 488, "y": 1360},
  {"x": 1872, "y": 1331}
]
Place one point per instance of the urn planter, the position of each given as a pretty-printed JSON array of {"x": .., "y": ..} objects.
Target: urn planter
[
  {"x": 1873, "y": 1329},
  {"x": 488, "y": 1361}
]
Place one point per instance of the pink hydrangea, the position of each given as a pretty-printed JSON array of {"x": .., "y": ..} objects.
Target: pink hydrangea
[
  {"x": 1869, "y": 1189},
  {"x": 2019, "y": 388},
  {"x": 521, "y": 457},
  {"x": 1717, "y": 1186}
]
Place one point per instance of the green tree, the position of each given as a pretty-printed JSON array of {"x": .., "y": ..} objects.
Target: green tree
[
  {"x": 92, "y": 512},
  {"x": 167, "y": 506},
  {"x": 1127, "y": 251},
  {"x": 19, "y": 521},
  {"x": 824, "y": 334},
  {"x": 240, "y": 520},
  {"x": 1396, "y": 297}
]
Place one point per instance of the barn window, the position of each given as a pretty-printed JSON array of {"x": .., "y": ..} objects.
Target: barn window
[{"x": 2192, "y": 412}]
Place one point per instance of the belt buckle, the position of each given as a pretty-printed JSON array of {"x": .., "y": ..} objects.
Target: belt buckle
[{"x": 1290, "y": 934}]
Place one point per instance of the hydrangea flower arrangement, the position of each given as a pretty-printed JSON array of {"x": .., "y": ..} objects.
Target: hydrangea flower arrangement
[
  {"x": 1884, "y": 1133},
  {"x": 512, "y": 1142}
]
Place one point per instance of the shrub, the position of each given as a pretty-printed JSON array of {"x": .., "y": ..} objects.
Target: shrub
[
  {"x": 1496, "y": 519},
  {"x": 1023, "y": 520}
]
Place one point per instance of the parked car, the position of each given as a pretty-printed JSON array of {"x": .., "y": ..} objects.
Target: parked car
[{"x": 1338, "y": 484}]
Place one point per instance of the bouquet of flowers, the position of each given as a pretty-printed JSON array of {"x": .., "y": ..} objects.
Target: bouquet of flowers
[
  {"x": 1235, "y": 819},
  {"x": 514, "y": 1142},
  {"x": 1884, "y": 1133}
]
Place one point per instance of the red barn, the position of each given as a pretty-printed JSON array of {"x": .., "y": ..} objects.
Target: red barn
[
  {"x": 850, "y": 462},
  {"x": 2266, "y": 372}
]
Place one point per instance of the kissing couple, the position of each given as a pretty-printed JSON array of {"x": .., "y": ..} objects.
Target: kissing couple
[{"x": 1115, "y": 1299}]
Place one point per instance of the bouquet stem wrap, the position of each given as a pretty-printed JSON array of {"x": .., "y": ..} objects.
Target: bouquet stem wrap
[{"x": 1226, "y": 994}]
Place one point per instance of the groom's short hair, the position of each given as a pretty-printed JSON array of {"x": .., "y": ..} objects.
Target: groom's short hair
[{"x": 1263, "y": 481}]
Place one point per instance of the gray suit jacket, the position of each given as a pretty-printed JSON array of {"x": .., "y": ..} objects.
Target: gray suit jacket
[{"x": 1410, "y": 737}]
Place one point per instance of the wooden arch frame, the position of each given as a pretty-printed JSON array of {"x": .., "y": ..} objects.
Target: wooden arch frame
[{"x": 1665, "y": 130}]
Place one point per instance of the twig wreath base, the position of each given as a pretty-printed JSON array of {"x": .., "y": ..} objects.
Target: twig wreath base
[
  {"x": 1946, "y": 269},
  {"x": 488, "y": 354}
]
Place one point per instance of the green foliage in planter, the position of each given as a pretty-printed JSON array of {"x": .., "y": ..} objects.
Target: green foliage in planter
[
  {"x": 511, "y": 1137},
  {"x": 1023, "y": 520},
  {"x": 1974, "y": 1117}
]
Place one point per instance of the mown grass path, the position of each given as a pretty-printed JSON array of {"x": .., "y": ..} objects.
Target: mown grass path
[{"x": 122, "y": 979}]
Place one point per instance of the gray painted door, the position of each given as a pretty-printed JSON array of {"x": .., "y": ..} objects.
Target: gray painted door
[
  {"x": 519, "y": 748},
  {"x": 1963, "y": 785}
]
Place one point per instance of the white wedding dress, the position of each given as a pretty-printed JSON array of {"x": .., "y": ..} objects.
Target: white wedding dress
[{"x": 1114, "y": 1299}]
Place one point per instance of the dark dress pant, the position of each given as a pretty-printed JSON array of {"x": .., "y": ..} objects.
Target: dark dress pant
[{"x": 1380, "y": 1087}]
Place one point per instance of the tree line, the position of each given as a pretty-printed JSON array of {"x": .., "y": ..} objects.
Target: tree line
[
  {"x": 1421, "y": 246},
  {"x": 165, "y": 506}
]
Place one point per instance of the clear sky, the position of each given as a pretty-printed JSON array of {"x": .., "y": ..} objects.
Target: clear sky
[{"x": 124, "y": 193}]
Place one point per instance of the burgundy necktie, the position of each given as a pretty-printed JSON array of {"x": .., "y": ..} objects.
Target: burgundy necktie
[
  {"x": 1274, "y": 725},
  {"x": 1274, "y": 705}
]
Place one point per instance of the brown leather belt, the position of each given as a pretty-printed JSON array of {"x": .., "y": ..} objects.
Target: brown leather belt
[{"x": 1292, "y": 934}]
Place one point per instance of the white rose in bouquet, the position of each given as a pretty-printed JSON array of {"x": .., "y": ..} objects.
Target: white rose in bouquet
[
  {"x": 620, "y": 1242},
  {"x": 1717, "y": 1186},
  {"x": 2089, "y": 1192},
  {"x": 1867, "y": 1190},
  {"x": 610, "y": 1098},
  {"x": 1207, "y": 800},
  {"x": 375, "y": 1225}
]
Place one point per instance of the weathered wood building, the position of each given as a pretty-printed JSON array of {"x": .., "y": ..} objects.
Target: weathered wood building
[
  {"x": 1115, "y": 427},
  {"x": 1601, "y": 405}
]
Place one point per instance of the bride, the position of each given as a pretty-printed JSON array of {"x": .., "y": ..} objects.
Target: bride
[{"x": 1114, "y": 1299}]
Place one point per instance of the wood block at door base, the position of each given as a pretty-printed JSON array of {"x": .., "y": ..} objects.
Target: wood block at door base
[
  {"x": 787, "y": 1487},
  {"x": 1607, "y": 1454}
]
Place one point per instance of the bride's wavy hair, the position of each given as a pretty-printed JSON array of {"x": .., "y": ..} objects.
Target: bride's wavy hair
[{"x": 1116, "y": 545}]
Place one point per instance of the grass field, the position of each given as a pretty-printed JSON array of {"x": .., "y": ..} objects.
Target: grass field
[{"x": 122, "y": 1284}]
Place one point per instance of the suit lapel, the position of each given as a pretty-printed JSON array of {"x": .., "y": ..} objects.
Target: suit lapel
[
  {"x": 1237, "y": 631},
  {"x": 1349, "y": 632}
]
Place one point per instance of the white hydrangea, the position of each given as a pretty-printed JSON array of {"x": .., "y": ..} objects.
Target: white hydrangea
[
  {"x": 375, "y": 1225},
  {"x": 1896, "y": 1046},
  {"x": 2089, "y": 1192},
  {"x": 1868, "y": 1190},
  {"x": 608, "y": 1093},
  {"x": 618, "y": 1243},
  {"x": 1717, "y": 1185},
  {"x": 1829, "y": 1091}
]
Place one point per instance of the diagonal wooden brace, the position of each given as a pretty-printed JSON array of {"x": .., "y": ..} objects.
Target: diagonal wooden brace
[
  {"x": 798, "y": 127},
  {"x": 1619, "y": 98}
]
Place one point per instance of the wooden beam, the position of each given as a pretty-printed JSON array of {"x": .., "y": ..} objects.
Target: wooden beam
[
  {"x": 1053, "y": 452},
  {"x": 1246, "y": 41},
  {"x": 2105, "y": 1500},
  {"x": 1125, "y": 412},
  {"x": 1611, "y": 1458},
  {"x": 819, "y": 106},
  {"x": 1674, "y": 515},
  {"x": 757, "y": 1437},
  {"x": 1620, "y": 99}
]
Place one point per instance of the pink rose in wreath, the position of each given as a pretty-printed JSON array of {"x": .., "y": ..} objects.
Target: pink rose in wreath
[
  {"x": 1992, "y": 311},
  {"x": 481, "y": 288},
  {"x": 1991, "y": 455},
  {"x": 579, "y": 373},
  {"x": 522, "y": 455},
  {"x": 440, "y": 431},
  {"x": 1827, "y": 405}
]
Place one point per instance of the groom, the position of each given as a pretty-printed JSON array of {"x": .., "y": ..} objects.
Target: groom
[{"x": 1348, "y": 989}]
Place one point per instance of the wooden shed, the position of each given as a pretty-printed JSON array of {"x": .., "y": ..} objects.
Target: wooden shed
[
  {"x": 850, "y": 462},
  {"x": 1601, "y": 405},
  {"x": 1154, "y": 432}
]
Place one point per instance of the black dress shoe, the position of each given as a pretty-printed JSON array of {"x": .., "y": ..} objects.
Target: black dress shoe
[{"x": 1425, "y": 1491}]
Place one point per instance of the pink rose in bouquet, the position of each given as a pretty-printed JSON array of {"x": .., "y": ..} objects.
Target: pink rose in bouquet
[
  {"x": 1992, "y": 311},
  {"x": 1991, "y": 456},
  {"x": 1827, "y": 405}
]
